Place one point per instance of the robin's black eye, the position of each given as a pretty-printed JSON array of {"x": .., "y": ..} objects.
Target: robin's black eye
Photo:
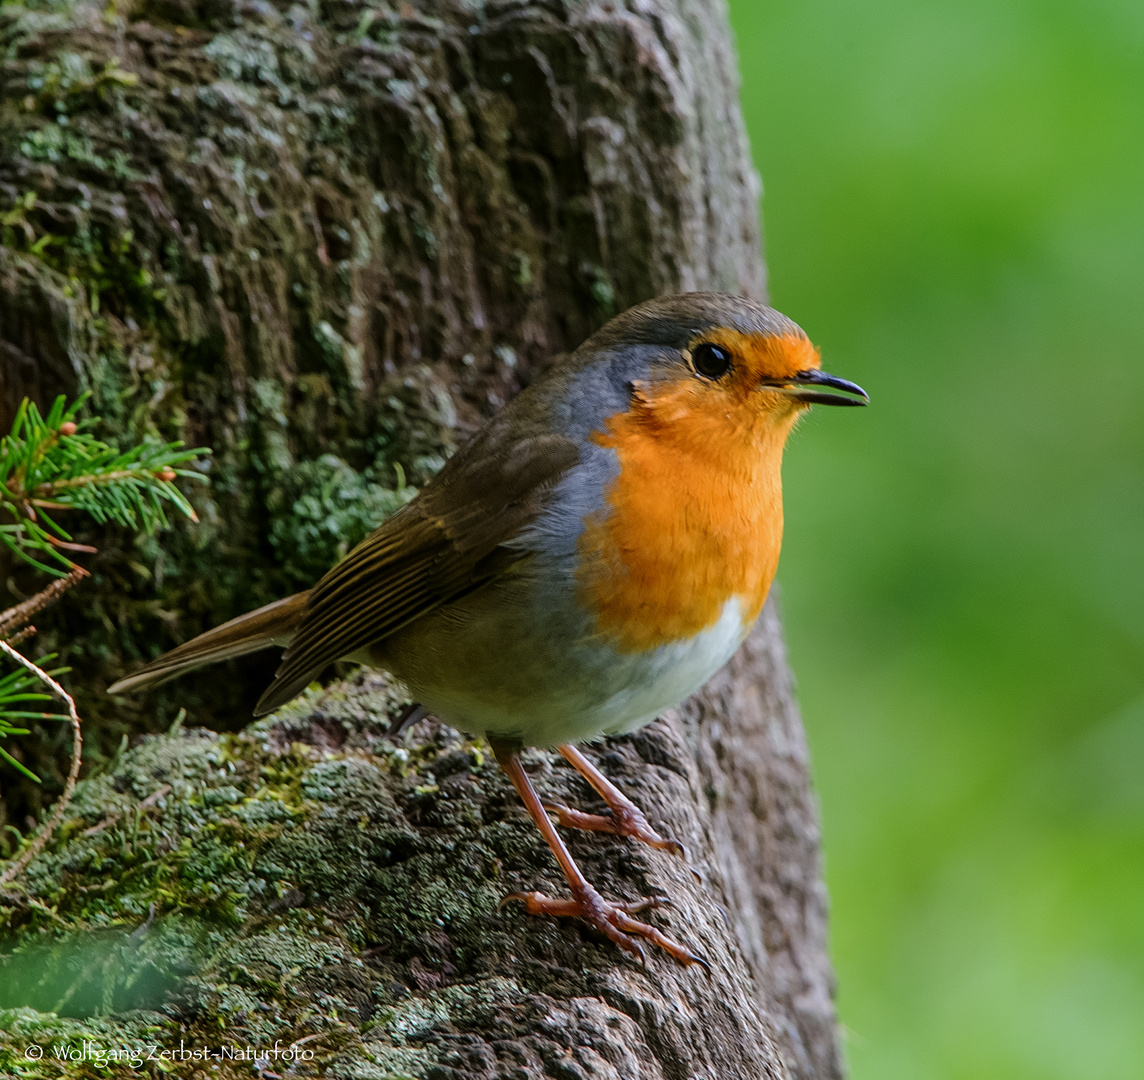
[{"x": 710, "y": 361}]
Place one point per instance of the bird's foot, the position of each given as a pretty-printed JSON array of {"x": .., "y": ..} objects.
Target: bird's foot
[
  {"x": 622, "y": 821},
  {"x": 613, "y": 920},
  {"x": 624, "y": 818}
]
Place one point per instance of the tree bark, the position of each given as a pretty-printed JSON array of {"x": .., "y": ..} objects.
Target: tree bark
[{"x": 327, "y": 240}]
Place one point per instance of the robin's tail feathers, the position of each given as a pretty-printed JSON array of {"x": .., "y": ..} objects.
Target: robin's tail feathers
[{"x": 273, "y": 624}]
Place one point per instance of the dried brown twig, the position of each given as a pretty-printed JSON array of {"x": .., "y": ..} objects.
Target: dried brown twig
[
  {"x": 47, "y": 830},
  {"x": 21, "y": 635},
  {"x": 17, "y": 615}
]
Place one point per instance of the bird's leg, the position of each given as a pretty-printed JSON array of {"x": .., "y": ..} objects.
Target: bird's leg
[
  {"x": 613, "y": 920},
  {"x": 626, "y": 819}
]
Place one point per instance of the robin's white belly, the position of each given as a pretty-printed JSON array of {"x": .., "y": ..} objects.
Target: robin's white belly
[{"x": 538, "y": 673}]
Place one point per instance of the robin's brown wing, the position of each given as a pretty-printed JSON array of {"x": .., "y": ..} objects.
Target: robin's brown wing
[{"x": 447, "y": 542}]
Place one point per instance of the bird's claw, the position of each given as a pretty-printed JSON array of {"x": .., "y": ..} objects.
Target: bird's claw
[
  {"x": 613, "y": 920},
  {"x": 626, "y": 822}
]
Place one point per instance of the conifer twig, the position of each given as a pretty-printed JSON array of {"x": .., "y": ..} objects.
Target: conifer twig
[
  {"x": 47, "y": 830},
  {"x": 21, "y": 635},
  {"x": 17, "y": 615},
  {"x": 53, "y": 463}
]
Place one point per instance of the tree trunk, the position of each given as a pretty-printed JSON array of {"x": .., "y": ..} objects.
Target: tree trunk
[{"x": 327, "y": 240}]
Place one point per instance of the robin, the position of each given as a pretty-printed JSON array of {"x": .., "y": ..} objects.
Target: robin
[{"x": 591, "y": 557}]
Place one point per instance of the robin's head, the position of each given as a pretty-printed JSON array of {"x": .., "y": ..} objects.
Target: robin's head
[
  {"x": 700, "y": 361},
  {"x": 684, "y": 405}
]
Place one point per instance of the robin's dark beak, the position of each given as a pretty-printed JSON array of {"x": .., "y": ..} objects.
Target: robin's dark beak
[{"x": 791, "y": 388}]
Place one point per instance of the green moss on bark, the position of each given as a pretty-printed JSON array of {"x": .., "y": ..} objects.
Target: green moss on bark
[{"x": 302, "y": 879}]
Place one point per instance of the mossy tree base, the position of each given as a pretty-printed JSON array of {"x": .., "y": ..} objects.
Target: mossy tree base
[{"x": 311, "y": 883}]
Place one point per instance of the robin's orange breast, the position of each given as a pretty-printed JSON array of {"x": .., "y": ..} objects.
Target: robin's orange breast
[{"x": 693, "y": 519}]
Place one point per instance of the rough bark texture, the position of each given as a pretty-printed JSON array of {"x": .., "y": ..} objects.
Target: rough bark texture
[{"x": 326, "y": 239}]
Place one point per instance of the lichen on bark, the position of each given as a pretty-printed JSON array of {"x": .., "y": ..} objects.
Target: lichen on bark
[{"x": 307, "y": 878}]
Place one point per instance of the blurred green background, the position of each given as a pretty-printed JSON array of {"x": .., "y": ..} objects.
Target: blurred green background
[{"x": 954, "y": 211}]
